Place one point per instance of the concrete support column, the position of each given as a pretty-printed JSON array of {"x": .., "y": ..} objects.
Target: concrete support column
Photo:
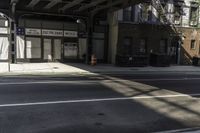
[
  {"x": 113, "y": 36},
  {"x": 12, "y": 48},
  {"x": 90, "y": 27}
]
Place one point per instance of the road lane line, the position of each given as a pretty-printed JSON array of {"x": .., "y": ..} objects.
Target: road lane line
[
  {"x": 96, "y": 100},
  {"x": 47, "y": 82},
  {"x": 90, "y": 81},
  {"x": 186, "y": 130},
  {"x": 167, "y": 79}
]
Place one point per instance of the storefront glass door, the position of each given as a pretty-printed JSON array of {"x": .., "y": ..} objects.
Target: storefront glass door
[
  {"x": 47, "y": 49},
  {"x": 33, "y": 48},
  {"x": 57, "y": 49},
  {"x": 71, "y": 50}
]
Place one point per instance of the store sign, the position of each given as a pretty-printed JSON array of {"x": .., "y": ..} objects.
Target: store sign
[
  {"x": 4, "y": 31},
  {"x": 33, "y": 32},
  {"x": 56, "y": 33},
  {"x": 70, "y": 34}
]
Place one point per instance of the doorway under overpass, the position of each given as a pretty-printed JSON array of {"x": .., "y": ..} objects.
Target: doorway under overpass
[{"x": 81, "y": 12}]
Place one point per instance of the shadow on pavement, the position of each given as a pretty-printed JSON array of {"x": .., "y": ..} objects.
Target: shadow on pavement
[{"x": 113, "y": 116}]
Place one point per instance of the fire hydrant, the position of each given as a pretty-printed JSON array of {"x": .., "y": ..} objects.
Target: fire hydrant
[{"x": 93, "y": 60}]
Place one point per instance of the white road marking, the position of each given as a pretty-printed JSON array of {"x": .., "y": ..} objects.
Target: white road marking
[
  {"x": 90, "y": 81},
  {"x": 96, "y": 100},
  {"x": 187, "y": 130},
  {"x": 46, "y": 82},
  {"x": 167, "y": 79}
]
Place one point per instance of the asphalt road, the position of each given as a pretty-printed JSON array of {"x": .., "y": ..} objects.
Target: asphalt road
[{"x": 116, "y": 103}]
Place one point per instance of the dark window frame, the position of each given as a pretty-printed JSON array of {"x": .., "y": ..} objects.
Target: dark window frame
[
  {"x": 177, "y": 14},
  {"x": 196, "y": 11},
  {"x": 146, "y": 15},
  {"x": 193, "y": 44},
  {"x": 165, "y": 47},
  {"x": 145, "y": 47},
  {"x": 127, "y": 48},
  {"x": 128, "y": 14}
]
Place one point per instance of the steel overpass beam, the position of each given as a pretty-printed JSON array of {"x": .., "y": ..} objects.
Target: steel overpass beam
[
  {"x": 33, "y": 3},
  {"x": 92, "y": 4},
  {"x": 52, "y": 4},
  {"x": 72, "y": 4}
]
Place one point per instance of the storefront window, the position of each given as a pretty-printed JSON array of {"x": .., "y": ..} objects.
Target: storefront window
[
  {"x": 20, "y": 47},
  {"x": 33, "y": 48},
  {"x": 3, "y": 22},
  {"x": 4, "y": 44}
]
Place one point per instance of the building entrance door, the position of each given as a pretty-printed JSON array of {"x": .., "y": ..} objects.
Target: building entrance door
[
  {"x": 57, "y": 47},
  {"x": 47, "y": 49},
  {"x": 71, "y": 50}
]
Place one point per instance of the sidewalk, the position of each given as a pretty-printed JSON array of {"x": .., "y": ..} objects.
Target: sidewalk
[{"x": 78, "y": 68}]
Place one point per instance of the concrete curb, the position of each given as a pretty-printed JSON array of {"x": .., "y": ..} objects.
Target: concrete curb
[{"x": 94, "y": 73}]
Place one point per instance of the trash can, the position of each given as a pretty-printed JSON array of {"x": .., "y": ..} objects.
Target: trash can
[
  {"x": 132, "y": 61},
  {"x": 159, "y": 60},
  {"x": 196, "y": 61}
]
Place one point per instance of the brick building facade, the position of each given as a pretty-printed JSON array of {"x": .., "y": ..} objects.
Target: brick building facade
[{"x": 141, "y": 30}]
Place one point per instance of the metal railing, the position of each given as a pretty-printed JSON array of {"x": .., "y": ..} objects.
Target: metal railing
[{"x": 158, "y": 6}]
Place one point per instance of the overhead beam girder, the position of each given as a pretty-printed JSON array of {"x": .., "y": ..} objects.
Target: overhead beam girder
[
  {"x": 72, "y": 4},
  {"x": 33, "y": 3},
  {"x": 112, "y": 5},
  {"x": 94, "y": 6},
  {"x": 91, "y": 5},
  {"x": 109, "y": 5},
  {"x": 52, "y": 3}
]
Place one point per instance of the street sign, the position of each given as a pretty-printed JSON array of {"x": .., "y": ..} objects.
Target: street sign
[
  {"x": 70, "y": 34},
  {"x": 33, "y": 32},
  {"x": 20, "y": 31}
]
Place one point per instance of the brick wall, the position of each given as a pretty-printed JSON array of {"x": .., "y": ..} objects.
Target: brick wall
[
  {"x": 186, "y": 52},
  {"x": 153, "y": 34}
]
